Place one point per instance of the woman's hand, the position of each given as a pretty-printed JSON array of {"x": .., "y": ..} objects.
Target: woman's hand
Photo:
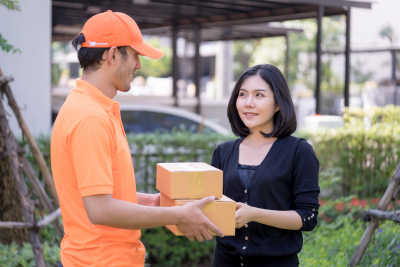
[{"x": 244, "y": 214}]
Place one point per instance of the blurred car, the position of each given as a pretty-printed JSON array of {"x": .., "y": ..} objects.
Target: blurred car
[{"x": 139, "y": 118}]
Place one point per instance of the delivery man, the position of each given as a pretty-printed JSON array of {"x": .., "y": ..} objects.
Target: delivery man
[{"x": 91, "y": 162}]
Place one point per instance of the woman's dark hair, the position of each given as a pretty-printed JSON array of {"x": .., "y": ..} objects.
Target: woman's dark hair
[
  {"x": 284, "y": 119},
  {"x": 91, "y": 58}
]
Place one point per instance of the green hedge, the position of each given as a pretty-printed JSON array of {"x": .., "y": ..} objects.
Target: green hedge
[
  {"x": 179, "y": 146},
  {"x": 361, "y": 159},
  {"x": 333, "y": 244},
  {"x": 364, "y": 155},
  {"x": 387, "y": 114}
]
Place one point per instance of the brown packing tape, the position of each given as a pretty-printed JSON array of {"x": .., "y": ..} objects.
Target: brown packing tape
[
  {"x": 196, "y": 177},
  {"x": 196, "y": 184},
  {"x": 209, "y": 207}
]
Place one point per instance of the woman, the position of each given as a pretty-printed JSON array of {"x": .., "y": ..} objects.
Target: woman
[{"x": 271, "y": 175}]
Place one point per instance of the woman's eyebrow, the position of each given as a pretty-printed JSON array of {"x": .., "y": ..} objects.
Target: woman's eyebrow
[{"x": 257, "y": 90}]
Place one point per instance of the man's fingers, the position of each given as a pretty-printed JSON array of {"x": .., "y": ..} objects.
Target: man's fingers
[
  {"x": 204, "y": 201},
  {"x": 192, "y": 239},
  {"x": 200, "y": 238},
  {"x": 215, "y": 229},
  {"x": 207, "y": 235}
]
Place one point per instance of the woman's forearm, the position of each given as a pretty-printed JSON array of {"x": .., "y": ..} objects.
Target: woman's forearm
[{"x": 288, "y": 219}]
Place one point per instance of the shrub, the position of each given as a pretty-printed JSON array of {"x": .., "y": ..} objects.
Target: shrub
[
  {"x": 365, "y": 155},
  {"x": 333, "y": 244},
  {"x": 22, "y": 256},
  {"x": 388, "y": 114}
]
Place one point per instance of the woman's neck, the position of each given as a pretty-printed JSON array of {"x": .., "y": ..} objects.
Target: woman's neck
[{"x": 256, "y": 139}]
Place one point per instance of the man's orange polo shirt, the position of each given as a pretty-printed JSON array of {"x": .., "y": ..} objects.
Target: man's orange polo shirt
[{"x": 90, "y": 156}]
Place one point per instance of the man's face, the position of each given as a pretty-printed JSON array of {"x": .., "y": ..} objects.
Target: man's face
[{"x": 126, "y": 68}]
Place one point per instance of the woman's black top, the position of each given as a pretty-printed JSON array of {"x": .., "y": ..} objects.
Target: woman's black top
[
  {"x": 287, "y": 179},
  {"x": 246, "y": 172}
]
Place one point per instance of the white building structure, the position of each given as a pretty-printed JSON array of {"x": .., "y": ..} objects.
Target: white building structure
[{"x": 30, "y": 31}]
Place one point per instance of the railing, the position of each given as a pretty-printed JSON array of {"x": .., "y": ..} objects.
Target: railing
[{"x": 145, "y": 163}]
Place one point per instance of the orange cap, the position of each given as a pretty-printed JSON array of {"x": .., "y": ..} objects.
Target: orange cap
[{"x": 116, "y": 29}]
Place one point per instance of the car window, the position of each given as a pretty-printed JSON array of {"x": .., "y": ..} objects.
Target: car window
[
  {"x": 148, "y": 121},
  {"x": 134, "y": 121},
  {"x": 163, "y": 122}
]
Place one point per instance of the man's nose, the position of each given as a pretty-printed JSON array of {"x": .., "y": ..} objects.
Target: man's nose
[{"x": 138, "y": 64}]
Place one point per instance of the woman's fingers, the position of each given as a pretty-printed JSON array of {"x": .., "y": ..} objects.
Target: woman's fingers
[{"x": 239, "y": 205}]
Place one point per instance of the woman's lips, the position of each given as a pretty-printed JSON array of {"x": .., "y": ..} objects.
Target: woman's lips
[{"x": 250, "y": 115}]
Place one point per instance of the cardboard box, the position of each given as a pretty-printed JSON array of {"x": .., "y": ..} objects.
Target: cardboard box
[
  {"x": 221, "y": 212},
  {"x": 192, "y": 180}
]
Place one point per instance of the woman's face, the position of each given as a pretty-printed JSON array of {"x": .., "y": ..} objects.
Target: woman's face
[{"x": 255, "y": 104}]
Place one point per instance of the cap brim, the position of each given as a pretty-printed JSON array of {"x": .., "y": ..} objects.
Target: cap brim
[{"x": 148, "y": 51}]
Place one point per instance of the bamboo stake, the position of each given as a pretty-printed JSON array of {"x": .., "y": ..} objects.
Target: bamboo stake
[
  {"x": 5, "y": 79},
  {"x": 369, "y": 232},
  {"x": 27, "y": 225},
  {"x": 49, "y": 218},
  {"x": 38, "y": 189},
  {"x": 26, "y": 204},
  {"x": 16, "y": 225},
  {"x": 382, "y": 215},
  {"x": 33, "y": 145}
]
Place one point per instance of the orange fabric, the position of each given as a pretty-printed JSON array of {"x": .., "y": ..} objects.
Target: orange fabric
[
  {"x": 116, "y": 29},
  {"x": 90, "y": 156}
]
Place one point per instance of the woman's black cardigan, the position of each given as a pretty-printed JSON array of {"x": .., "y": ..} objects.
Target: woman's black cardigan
[{"x": 287, "y": 179}]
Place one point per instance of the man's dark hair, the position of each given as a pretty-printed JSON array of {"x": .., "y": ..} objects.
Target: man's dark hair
[
  {"x": 91, "y": 58},
  {"x": 284, "y": 119}
]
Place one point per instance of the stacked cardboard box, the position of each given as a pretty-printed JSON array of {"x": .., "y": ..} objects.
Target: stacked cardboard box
[{"x": 181, "y": 183}]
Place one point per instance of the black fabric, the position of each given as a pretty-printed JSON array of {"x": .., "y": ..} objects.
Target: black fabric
[
  {"x": 246, "y": 173},
  {"x": 287, "y": 179}
]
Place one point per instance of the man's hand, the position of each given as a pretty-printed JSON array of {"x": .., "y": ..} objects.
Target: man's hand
[
  {"x": 244, "y": 214},
  {"x": 148, "y": 199},
  {"x": 194, "y": 223}
]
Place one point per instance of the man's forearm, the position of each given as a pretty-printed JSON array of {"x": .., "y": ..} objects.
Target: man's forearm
[
  {"x": 122, "y": 214},
  {"x": 148, "y": 199}
]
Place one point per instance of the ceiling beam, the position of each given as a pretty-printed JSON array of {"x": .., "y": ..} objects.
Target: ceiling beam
[{"x": 331, "y": 3}]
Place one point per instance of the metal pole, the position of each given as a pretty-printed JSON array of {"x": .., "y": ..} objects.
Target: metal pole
[
  {"x": 287, "y": 58},
  {"x": 175, "y": 67},
  {"x": 197, "y": 67},
  {"x": 347, "y": 55},
  {"x": 319, "y": 52},
  {"x": 394, "y": 80}
]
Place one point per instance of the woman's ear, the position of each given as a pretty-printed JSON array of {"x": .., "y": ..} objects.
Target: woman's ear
[{"x": 276, "y": 108}]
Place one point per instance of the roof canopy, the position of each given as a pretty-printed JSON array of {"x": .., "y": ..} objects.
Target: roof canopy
[{"x": 219, "y": 16}]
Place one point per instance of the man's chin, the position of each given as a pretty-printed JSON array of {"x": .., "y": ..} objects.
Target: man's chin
[{"x": 124, "y": 89}]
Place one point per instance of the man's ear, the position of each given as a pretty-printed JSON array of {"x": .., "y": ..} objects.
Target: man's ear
[{"x": 111, "y": 55}]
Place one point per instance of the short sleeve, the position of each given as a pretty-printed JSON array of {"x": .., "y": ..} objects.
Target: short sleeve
[
  {"x": 90, "y": 144},
  {"x": 305, "y": 185}
]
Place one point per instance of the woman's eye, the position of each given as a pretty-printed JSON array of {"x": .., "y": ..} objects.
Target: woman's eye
[
  {"x": 242, "y": 94},
  {"x": 259, "y": 94}
]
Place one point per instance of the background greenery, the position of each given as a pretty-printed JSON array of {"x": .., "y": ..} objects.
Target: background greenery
[{"x": 356, "y": 160}]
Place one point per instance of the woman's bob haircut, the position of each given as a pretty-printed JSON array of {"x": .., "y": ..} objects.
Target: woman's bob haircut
[{"x": 284, "y": 119}]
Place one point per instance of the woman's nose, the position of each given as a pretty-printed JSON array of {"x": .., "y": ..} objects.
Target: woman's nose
[{"x": 249, "y": 103}]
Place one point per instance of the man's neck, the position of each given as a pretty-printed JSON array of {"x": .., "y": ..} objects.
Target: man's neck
[{"x": 101, "y": 82}]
